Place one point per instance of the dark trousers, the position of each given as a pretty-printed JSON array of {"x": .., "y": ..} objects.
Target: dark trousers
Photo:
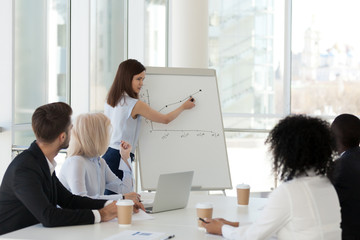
[{"x": 112, "y": 158}]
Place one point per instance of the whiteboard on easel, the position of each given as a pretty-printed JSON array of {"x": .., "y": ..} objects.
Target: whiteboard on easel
[{"x": 194, "y": 140}]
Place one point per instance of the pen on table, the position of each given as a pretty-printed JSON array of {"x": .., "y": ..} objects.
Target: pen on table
[
  {"x": 139, "y": 198},
  {"x": 203, "y": 220},
  {"x": 169, "y": 237}
]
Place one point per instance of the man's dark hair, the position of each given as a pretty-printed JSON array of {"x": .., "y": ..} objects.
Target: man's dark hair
[
  {"x": 300, "y": 143},
  {"x": 50, "y": 120},
  {"x": 346, "y": 128}
]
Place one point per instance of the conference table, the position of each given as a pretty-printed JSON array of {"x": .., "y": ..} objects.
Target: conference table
[{"x": 182, "y": 222}]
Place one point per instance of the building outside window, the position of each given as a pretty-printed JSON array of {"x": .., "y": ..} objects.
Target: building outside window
[
  {"x": 245, "y": 48},
  {"x": 325, "y": 58}
]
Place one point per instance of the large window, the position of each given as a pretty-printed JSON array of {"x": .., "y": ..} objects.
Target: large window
[
  {"x": 41, "y": 60},
  {"x": 246, "y": 47},
  {"x": 245, "y": 43},
  {"x": 325, "y": 57},
  {"x": 108, "y": 43}
]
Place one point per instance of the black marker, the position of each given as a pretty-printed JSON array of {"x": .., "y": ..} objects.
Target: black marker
[
  {"x": 201, "y": 219},
  {"x": 169, "y": 237}
]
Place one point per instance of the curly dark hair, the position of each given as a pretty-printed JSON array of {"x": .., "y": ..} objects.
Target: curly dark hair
[{"x": 299, "y": 143}]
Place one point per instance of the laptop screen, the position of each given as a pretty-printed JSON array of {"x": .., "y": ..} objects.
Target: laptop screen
[{"x": 172, "y": 191}]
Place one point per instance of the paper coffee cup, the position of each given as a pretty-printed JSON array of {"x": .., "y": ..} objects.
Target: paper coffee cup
[
  {"x": 204, "y": 210},
  {"x": 243, "y": 193},
  {"x": 124, "y": 212}
]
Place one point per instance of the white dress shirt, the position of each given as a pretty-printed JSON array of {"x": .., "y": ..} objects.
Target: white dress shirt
[
  {"x": 90, "y": 177},
  {"x": 305, "y": 208},
  {"x": 125, "y": 128}
]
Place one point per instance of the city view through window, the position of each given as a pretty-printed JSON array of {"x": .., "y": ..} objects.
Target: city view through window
[
  {"x": 325, "y": 58},
  {"x": 246, "y": 47}
]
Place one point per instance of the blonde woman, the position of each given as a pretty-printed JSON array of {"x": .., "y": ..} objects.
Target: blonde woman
[{"x": 84, "y": 172}]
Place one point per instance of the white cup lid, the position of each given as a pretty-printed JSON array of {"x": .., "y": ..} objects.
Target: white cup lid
[
  {"x": 204, "y": 205},
  {"x": 243, "y": 186},
  {"x": 125, "y": 202}
]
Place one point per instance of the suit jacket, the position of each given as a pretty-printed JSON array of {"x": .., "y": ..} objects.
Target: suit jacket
[
  {"x": 29, "y": 195},
  {"x": 346, "y": 179}
]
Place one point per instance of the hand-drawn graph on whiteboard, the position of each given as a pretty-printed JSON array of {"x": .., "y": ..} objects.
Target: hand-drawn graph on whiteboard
[
  {"x": 183, "y": 133},
  {"x": 194, "y": 140}
]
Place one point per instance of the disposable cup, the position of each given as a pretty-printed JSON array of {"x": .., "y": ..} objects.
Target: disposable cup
[
  {"x": 204, "y": 210},
  {"x": 243, "y": 193},
  {"x": 124, "y": 212}
]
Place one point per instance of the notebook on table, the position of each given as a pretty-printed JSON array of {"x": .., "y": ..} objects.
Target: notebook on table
[{"x": 172, "y": 192}]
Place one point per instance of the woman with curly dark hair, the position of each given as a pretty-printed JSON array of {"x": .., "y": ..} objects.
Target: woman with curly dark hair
[{"x": 306, "y": 205}]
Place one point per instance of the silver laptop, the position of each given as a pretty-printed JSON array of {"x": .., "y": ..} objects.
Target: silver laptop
[{"x": 172, "y": 192}]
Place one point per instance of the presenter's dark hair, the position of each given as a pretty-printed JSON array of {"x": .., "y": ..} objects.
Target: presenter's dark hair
[
  {"x": 300, "y": 143},
  {"x": 123, "y": 81},
  {"x": 50, "y": 120},
  {"x": 346, "y": 128}
]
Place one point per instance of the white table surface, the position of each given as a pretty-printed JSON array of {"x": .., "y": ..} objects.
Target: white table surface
[{"x": 182, "y": 222}]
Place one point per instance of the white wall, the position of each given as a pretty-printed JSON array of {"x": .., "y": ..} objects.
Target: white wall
[
  {"x": 6, "y": 100},
  {"x": 189, "y": 23}
]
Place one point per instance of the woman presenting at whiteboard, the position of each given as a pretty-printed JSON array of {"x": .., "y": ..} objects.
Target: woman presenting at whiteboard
[{"x": 124, "y": 109}]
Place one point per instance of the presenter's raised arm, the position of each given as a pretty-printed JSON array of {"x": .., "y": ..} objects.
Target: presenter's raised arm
[{"x": 143, "y": 109}]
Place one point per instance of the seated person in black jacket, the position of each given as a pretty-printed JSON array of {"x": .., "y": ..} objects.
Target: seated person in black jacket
[
  {"x": 346, "y": 173},
  {"x": 30, "y": 191}
]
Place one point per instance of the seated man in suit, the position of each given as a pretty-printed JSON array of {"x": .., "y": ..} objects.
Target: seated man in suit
[
  {"x": 346, "y": 173},
  {"x": 30, "y": 191}
]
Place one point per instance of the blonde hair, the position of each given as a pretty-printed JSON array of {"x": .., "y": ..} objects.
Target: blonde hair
[{"x": 90, "y": 135}]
